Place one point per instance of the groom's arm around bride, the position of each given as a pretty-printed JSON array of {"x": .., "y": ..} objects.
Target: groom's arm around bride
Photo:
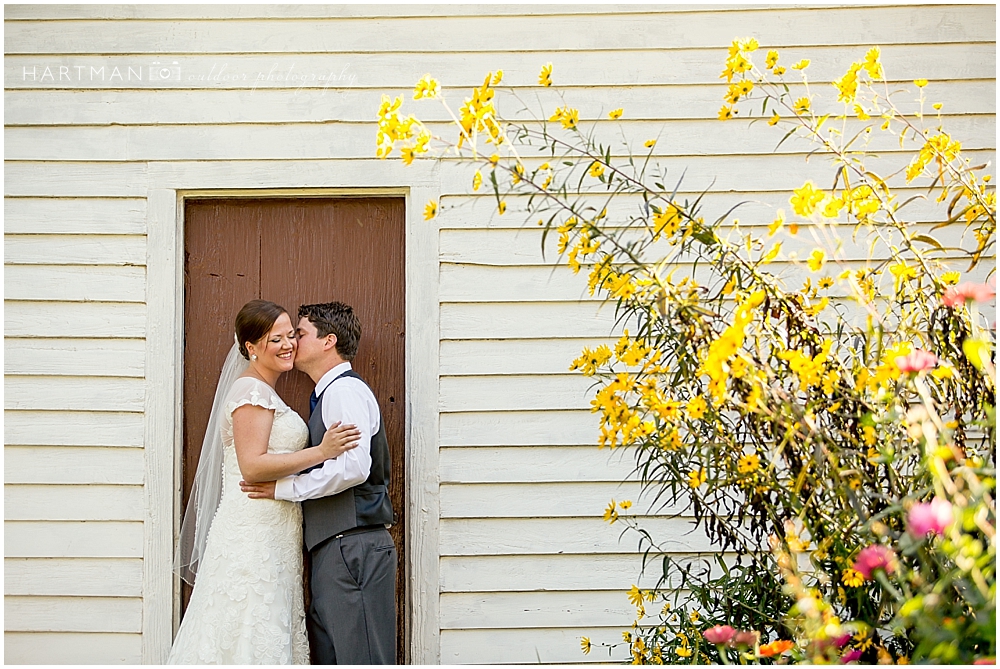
[{"x": 345, "y": 500}]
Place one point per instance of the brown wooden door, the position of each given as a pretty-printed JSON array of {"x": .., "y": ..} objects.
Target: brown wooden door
[{"x": 292, "y": 252}]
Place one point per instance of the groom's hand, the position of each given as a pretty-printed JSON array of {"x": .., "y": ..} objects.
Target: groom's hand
[{"x": 258, "y": 490}]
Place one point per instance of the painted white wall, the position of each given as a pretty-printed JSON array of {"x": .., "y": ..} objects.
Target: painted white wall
[{"x": 509, "y": 560}]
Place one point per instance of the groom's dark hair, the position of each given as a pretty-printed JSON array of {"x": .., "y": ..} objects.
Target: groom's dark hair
[{"x": 335, "y": 318}]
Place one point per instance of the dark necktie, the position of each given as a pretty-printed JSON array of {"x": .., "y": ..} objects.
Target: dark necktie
[{"x": 312, "y": 402}]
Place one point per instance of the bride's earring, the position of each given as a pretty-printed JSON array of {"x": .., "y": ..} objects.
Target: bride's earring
[{"x": 253, "y": 357}]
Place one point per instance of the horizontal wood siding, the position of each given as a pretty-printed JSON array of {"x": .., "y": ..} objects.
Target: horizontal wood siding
[{"x": 526, "y": 565}]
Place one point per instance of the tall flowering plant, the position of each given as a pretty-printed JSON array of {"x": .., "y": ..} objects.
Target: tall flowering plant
[{"x": 815, "y": 393}]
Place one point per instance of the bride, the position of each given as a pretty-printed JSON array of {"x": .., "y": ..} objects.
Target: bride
[{"x": 247, "y": 604}]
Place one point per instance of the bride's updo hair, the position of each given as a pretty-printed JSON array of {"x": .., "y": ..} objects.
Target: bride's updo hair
[{"x": 254, "y": 321}]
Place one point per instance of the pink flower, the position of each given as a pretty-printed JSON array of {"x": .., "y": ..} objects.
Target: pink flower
[
  {"x": 933, "y": 517},
  {"x": 719, "y": 634},
  {"x": 850, "y": 656},
  {"x": 918, "y": 361},
  {"x": 841, "y": 641},
  {"x": 875, "y": 557},
  {"x": 745, "y": 638},
  {"x": 967, "y": 292}
]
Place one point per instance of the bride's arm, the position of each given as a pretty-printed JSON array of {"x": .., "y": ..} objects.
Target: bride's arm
[{"x": 251, "y": 432}]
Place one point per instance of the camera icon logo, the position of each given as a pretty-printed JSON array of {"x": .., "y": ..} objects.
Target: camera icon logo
[{"x": 170, "y": 72}]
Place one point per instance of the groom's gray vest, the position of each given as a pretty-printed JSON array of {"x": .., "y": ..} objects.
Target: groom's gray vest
[{"x": 364, "y": 504}]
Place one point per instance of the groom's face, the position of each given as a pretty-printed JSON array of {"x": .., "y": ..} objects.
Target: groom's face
[{"x": 310, "y": 345}]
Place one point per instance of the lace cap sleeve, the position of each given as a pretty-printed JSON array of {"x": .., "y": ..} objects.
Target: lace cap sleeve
[{"x": 248, "y": 390}]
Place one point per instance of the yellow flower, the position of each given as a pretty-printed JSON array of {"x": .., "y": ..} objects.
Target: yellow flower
[
  {"x": 406, "y": 154},
  {"x": 615, "y": 113},
  {"x": 625, "y": 504},
  {"x": 749, "y": 44},
  {"x": 596, "y": 169},
  {"x": 776, "y": 224},
  {"x": 696, "y": 407},
  {"x": 793, "y": 228},
  {"x": 695, "y": 616},
  {"x": 497, "y": 78},
  {"x": 585, "y": 645},
  {"x": 430, "y": 210},
  {"x": 779, "y": 70},
  {"x": 611, "y": 513},
  {"x": 726, "y": 113},
  {"x": 801, "y": 106},
  {"x": 860, "y": 112},
  {"x": 502, "y": 207},
  {"x": 774, "y": 119},
  {"x": 477, "y": 180},
  {"x": 683, "y": 651},
  {"x": 650, "y": 143},
  {"x": 545, "y": 76},
  {"x": 696, "y": 477},
  {"x": 950, "y": 278},
  {"x": 872, "y": 64},
  {"x": 852, "y": 578},
  {"x": 748, "y": 464},
  {"x": 816, "y": 260},
  {"x": 920, "y": 83},
  {"x": 806, "y": 198},
  {"x": 825, "y": 282},
  {"x": 937, "y": 105},
  {"x": 567, "y": 116},
  {"x": 772, "y": 59},
  {"x": 833, "y": 207},
  {"x": 426, "y": 88},
  {"x": 635, "y": 595},
  {"x": 801, "y": 65}
]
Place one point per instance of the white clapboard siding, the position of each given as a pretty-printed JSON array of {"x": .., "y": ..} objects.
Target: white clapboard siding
[
  {"x": 49, "y": 249},
  {"x": 537, "y": 465},
  {"x": 353, "y": 140},
  {"x": 74, "y": 319},
  {"x": 65, "y": 502},
  {"x": 71, "y": 648},
  {"x": 91, "y": 539},
  {"x": 301, "y": 72},
  {"x": 535, "y": 536},
  {"x": 75, "y": 283},
  {"x": 517, "y": 428},
  {"x": 75, "y": 357},
  {"x": 476, "y": 212},
  {"x": 79, "y": 577},
  {"x": 549, "y": 500},
  {"x": 73, "y": 465},
  {"x": 530, "y": 646},
  {"x": 515, "y": 393},
  {"x": 519, "y": 573},
  {"x": 74, "y": 393},
  {"x": 74, "y": 216},
  {"x": 72, "y": 428},
  {"x": 63, "y": 180},
  {"x": 24, "y": 107},
  {"x": 526, "y": 566},
  {"x": 72, "y": 614}
]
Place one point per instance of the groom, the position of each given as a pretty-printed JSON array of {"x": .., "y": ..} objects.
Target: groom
[{"x": 345, "y": 501}]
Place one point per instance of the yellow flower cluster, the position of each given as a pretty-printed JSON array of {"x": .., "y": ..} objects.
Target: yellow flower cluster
[
  {"x": 478, "y": 115},
  {"x": 812, "y": 371},
  {"x": 667, "y": 221},
  {"x": 590, "y": 361},
  {"x": 568, "y": 116},
  {"x": 720, "y": 351},
  {"x": 940, "y": 148},
  {"x": 392, "y": 128}
]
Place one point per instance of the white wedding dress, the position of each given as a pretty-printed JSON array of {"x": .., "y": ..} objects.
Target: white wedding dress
[{"x": 247, "y": 604}]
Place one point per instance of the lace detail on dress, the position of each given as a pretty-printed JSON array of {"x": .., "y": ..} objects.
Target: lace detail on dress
[{"x": 247, "y": 605}]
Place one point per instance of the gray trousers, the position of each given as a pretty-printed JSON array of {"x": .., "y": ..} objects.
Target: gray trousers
[{"x": 352, "y": 618}]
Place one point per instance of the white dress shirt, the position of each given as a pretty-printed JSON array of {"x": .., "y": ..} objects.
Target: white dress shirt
[{"x": 351, "y": 402}]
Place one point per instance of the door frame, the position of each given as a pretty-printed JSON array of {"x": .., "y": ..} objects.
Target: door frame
[{"x": 170, "y": 185}]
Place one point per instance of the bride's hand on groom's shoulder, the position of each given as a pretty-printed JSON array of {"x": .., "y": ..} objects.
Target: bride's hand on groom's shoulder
[
  {"x": 338, "y": 439},
  {"x": 263, "y": 490}
]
